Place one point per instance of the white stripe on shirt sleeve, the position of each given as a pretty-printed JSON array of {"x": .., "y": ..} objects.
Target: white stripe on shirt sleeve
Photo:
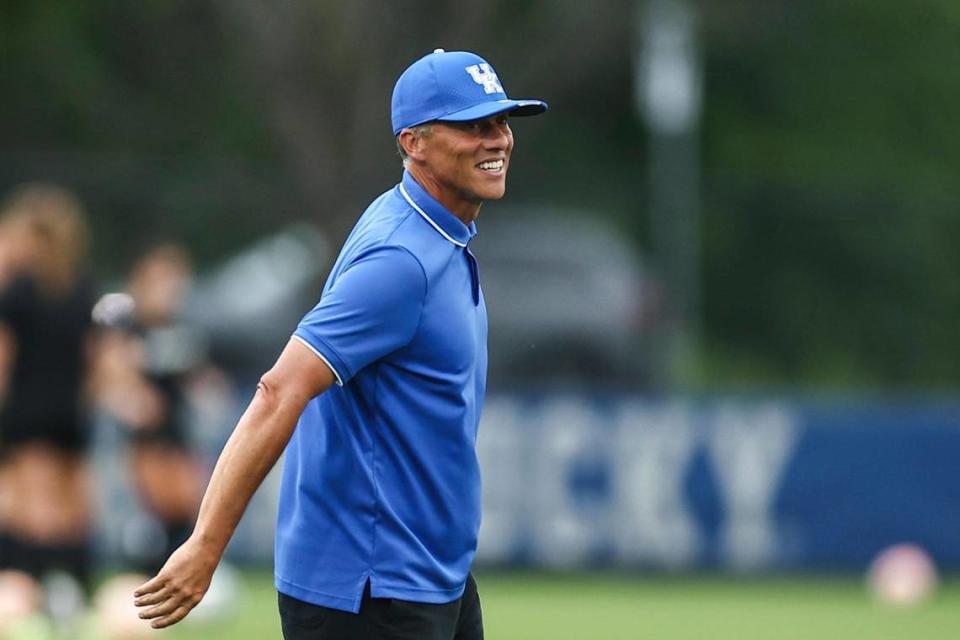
[{"x": 339, "y": 381}]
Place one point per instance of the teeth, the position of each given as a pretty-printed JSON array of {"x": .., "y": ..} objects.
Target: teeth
[{"x": 495, "y": 165}]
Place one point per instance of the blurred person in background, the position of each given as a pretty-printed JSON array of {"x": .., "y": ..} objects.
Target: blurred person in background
[
  {"x": 149, "y": 359},
  {"x": 45, "y": 329},
  {"x": 151, "y": 366}
]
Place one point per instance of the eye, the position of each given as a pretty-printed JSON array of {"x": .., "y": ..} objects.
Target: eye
[{"x": 471, "y": 126}]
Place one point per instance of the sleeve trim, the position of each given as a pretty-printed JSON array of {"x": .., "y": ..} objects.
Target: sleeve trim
[{"x": 336, "y": 375}]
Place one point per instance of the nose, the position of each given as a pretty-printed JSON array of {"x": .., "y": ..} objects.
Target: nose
[{"x": 500, "y": 137}]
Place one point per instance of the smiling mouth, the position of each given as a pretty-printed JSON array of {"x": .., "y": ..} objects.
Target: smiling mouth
[{"x": 491, "y": 166}]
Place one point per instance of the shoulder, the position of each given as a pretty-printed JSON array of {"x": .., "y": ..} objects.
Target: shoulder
[
  {"x": 389, "y": 221},
  {"x": 392, "y": 266},
  {"x": 378, "y": 225},
  {"x": 419, "y": 235}
]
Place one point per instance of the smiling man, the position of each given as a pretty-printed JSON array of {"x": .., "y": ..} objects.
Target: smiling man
[{"x": 377, "y": 397}]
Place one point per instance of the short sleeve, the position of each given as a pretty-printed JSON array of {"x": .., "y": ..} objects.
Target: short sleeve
[{"x": 372, "y": 309}]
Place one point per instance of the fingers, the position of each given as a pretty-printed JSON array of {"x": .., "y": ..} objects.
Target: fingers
[
  {"x": 170, "y": 611},
  {"x": 165, "y": 608},
  {"x": 178, "y": 614},
  {"x": 152, "y": 598},
  {"x": 166, "y": 603},
  {"x": 150, "y": 586},
  {"x": 167, "y": 598}
]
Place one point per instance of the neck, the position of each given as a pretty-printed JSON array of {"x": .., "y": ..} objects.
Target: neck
[{"x": 466, "y": 210}]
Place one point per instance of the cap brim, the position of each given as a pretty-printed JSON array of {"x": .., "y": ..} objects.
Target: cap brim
[{"x": 495, "y": 107}]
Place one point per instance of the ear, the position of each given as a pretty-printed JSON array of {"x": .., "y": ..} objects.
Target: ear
[{"x": 412, "y": 143}]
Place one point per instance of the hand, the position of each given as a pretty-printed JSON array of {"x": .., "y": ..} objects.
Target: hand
[{"x": 178, "y": 587}]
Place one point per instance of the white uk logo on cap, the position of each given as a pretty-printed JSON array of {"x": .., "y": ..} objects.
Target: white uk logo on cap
[{"x": 483, "y": 75}]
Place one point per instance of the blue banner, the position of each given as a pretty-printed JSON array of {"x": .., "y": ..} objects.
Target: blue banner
[{"x": 746, "y": 485}]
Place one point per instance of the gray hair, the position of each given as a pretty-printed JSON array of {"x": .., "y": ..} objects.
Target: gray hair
[{"x": 418, "y": 130}]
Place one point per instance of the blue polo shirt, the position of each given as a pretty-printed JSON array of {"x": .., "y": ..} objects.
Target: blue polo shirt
[{"x": 381, "y": 481}]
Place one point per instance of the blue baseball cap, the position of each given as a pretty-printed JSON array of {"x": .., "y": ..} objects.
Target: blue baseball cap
[{"x": 452, "y": 86}]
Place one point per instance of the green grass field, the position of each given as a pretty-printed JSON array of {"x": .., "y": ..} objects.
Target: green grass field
[{"x": 522, "y": 606}]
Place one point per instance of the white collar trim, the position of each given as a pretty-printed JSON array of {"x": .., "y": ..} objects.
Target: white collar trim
[{"x": 406, "y": 196}]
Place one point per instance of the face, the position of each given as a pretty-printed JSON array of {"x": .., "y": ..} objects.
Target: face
[
  {"x": 19, "y": 245},
  {"x": 159, "y": 287},
  {"x": 464, "y": 163}
]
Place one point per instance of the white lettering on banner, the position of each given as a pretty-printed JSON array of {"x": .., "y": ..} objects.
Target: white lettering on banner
[
  {"x": 749, "y": 449},
  {"x": 486, "y": 77},
  {"x": 566, "y": 531},
  {"x": 532, "y": 452},
  {"x": 653, "y": 450}
]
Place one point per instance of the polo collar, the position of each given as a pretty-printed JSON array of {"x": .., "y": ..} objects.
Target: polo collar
[{"x": 445, "y": 223}]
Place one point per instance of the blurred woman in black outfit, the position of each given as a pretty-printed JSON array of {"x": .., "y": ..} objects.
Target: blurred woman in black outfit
[{"x": 45, "y": 323}]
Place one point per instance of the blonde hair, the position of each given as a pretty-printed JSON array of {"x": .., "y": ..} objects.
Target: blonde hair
[{"x": 53, "y": 219}]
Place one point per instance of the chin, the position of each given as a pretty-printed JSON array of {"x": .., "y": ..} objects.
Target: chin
[{"x": 493, "y": 192}]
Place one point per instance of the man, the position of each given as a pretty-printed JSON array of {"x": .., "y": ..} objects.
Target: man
[{"x": 380, "y": 502}]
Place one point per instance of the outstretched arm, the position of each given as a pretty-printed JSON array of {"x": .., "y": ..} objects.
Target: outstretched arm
[{"x": 254, "y": 447}]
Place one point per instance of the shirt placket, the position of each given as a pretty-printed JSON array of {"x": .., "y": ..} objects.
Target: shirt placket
[{"x": 474, "y": 276}]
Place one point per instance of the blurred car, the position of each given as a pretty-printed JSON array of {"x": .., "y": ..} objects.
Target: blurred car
[
  {"x": 567, "y": 299},
  {"x": 249, "y": 305}
]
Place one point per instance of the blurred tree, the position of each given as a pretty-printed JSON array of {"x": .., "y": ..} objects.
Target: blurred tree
[
  {"x": 326, "y": 70},
  {"x": 829, "y": 153},
  {"x": 205, "y": 106},
  {"x": 830, "y": 150},
  {"x": 139, "y": 108}
]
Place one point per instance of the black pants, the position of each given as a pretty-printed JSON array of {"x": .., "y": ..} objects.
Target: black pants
[{"x": 385, "y": 619}]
